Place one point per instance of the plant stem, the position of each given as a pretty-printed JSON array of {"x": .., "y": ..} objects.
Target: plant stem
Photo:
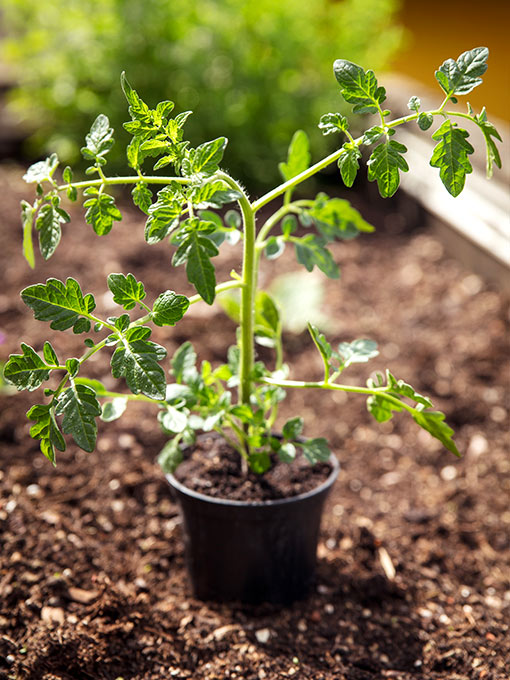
[
  {"x": 220, "y": 288},
  {"x": 135, "y": 179},
  {"x": 249, "y": 285}
]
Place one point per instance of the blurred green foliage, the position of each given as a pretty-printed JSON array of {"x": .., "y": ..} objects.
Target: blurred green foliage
[{"x": 254, "y": 71}]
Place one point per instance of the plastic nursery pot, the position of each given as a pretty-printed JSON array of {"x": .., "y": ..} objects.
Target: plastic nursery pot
[{"x": 252, "y": 552}]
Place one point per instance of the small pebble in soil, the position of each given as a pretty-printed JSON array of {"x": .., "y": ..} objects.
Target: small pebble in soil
[{"x": 263, "y": 635}]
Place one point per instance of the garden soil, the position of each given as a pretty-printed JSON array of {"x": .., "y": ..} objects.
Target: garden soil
[{"x": 413, "y": 575}]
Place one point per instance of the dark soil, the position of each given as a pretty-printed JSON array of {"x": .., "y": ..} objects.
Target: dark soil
[
  {"x": 213, "y": 468},
  {"x": 413, "y": 578}
]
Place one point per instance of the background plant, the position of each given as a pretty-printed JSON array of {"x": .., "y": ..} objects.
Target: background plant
[
  {"x": 257, "y": 69},
  {"x": 188, "y": 213}
]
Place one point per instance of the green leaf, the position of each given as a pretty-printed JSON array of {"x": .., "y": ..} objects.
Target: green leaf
[
  {"x": 138, "y": 109},
  {"x": 336, "y": 218},
  {"x": 433, "y": 422},
  {"x": 127, "y": 291},
  {"x": 348, "y": 163},
  {"x": 356, "y": 352},
  {"x": 136, "y": 360},
  {"x": 184, "y": 363},
  {"x": 310, "y": 251},
  {"x": 48, "y": 225},
  {"x": 259, "y": 462},
  {"x": 205, "y": 159},
  {"x": 333, "y": 122},
  {"x": 170, "y": 456},
  {"x": 463, "y": 75},
  {"x": 384, "y": 165},
  {"x": 27, "y": 371},
  {"x": 404, "y": 389},
  {"x": 373, "y": 135},
  {"x": 450, "y": 155},
  {"x": 172, "y": 420},
  {"x": 425, "y": 120},
  {"x": 112, "y": 410},
  {"x": 489, "y": 131},
  {"x": 196, "y": 251},
  {"x": 298, "y": 156},
  {"x": 102, "y": 213},
  {"x": 293, "y": 428},
  {"x": 80, "y": 408},
  {"x": 316, "y": 450},
  {"x": 46, "y": 429},
  {"x": 99, "y": 140},
  {"x": 414, "y": 104},
  {"x": 359, "y": 87},
  {"x": 72, "y": 367},
  {"x": 286, "y": 452},
  {"x": 142, "y": 197},
  {"x": 275, "y": 247},
  {"x": 266, "y": 313},
  {"x": 27, "y": 221},
  {"x": 169, "y": 308},
  {"x": 50, "y": 356},
  {"x": 42, "y": 170},
  {"x": 164, "y": 213},
  {"x": 60, "y": 303},
  {"x": 95, "y": 385},
  {"x": 321, "y": 343}
]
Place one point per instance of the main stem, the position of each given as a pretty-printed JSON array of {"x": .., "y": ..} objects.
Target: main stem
[{"x": 249, "y": 286}]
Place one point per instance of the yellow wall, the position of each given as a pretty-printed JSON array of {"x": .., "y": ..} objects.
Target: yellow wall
[{"x": 440, "y": 29}]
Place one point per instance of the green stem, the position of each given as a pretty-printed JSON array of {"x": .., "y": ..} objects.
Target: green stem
[
  {"x": 135, "y": 179},
  {"x": 302, "y": 384},
  {"x": 220, "y": 288},
  {"x": 249, "y": 281}
]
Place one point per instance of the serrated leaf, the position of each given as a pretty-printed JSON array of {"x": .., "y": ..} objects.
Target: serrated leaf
[
  {"x": 321, "y": 343},
  {"x": 27, "y": 221},
  {"x": 95, "y": 385},
  {"x": 169, "y": 308},
  {"x": 142, "y": 197},
  {"x": 50, "y": 356},
  {"x": 184, "y": 363},
  {"x": 463, "y": 75},
  {"x": 205, "y": 159},
  {"x": 46, "y": 429},
  {"x": 196, "y": 251},
  {"x": 298, "y": 156},
  {"x": 336, "y": 218},
  {"x": 102, "y": 213},
  {"x": 404, "y": 389},
  {"x": 348, "y": 164},
  {"x": 127, "y": 291},
  {"x": 138, "y": 109},
  {"x": 373, "y": 135},
  {"x": 99, "y": 140},
  {"x": 293, "y": 428},
  {"x": 489, "y": 131},
  {"x": 333, "y": 122},
  {"x": 316, "y": 450},
  {"x": 450, "y": 155},
  {"x": 358, "y": 351},
  {"x": 27, "y": 371},
  {"x": 384, "y": 165},
  {"x": 72, "y": 367},
  {"x": 48, "y": 225},
  {"x": 382, "y": 409},
  {"x": 112, "y": 410},
  {"x": 136, "y": 360},
  {"x": 359, "y": 87},
  {"x": 42, "y": 170},
  {"x": 79, "y": 406},
  {"x": 311, "y": 251},
  {"x": 164, "y": 214},
  {"x": 433, "y": 422},
  {"x": 58, "y": 302}
]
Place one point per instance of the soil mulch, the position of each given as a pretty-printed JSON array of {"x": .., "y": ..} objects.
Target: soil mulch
[{"x": 413, "y": 578}]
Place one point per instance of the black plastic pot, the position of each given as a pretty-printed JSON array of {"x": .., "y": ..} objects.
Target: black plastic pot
[{"x": 252, "y": 552}]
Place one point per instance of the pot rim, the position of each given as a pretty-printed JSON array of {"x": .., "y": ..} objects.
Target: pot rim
[{"x": 276, "y": 502}]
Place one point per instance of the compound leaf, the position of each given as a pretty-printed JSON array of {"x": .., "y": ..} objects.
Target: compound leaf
[
  {"x": 384, "y": 165},
  {"x": 58, "y": 302},
  {"x": 79, "y": 406},
  {"x": 450, "y": 155},
  {"x": 27, "y": 371}
]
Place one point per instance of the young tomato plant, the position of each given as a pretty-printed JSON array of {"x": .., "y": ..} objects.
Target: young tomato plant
[{"x": 240, "y": 398}]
